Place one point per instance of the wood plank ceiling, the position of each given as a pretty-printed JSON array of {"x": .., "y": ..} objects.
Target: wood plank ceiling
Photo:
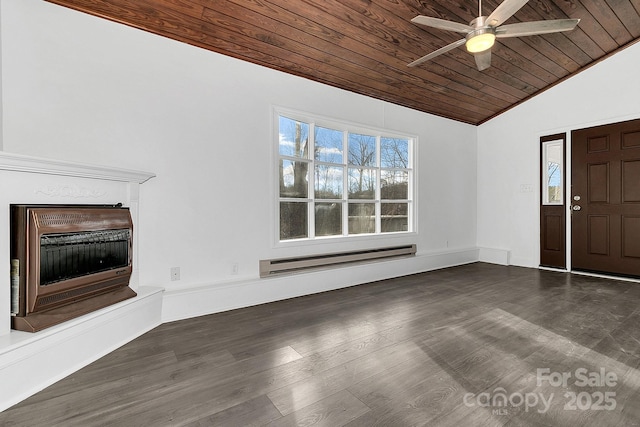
[{"x": 363, "y": 46}]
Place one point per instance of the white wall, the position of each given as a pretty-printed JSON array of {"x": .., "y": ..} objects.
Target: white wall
[
  {"x": 1, "y": 115},
  {"x": 509, "y": 149},
  {"x": 90, "y": 90}
]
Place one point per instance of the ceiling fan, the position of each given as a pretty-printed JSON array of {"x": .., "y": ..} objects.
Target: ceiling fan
[{"x": 482, "y": 31}]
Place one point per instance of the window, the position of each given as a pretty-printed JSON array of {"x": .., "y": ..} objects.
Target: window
[
  {"x": 337, "y": 181},
  {"x": 552, "y": 173}
]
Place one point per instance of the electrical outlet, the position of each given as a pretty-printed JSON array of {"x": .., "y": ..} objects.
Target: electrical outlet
[
  {"x": 175, "y": 273},
  {"x": 234, "y": 268},
  {"x": 526, "y": 188}
]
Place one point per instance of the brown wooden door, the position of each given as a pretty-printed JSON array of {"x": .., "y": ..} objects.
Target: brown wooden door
[
  {"x": 552, "y": 201},
  {"x": 605, "y": 198}
]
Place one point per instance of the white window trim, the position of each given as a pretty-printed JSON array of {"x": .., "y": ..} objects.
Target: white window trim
[{"x": 345, "y": 126}]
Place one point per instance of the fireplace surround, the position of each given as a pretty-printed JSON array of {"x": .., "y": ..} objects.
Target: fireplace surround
[{"x": 31, "y": 361}]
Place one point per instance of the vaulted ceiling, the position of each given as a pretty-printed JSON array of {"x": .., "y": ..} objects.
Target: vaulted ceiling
[{"x": 364, "y": 46}]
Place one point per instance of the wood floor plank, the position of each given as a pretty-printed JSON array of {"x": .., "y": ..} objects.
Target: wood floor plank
[
  {"x": 336, "y": 410},
  {"x": 252, "y": 413},
  {"x": 310, "y": 390},
  {"x": 623, "y": 342},
  {"x": 411, "y": 399},
  {"x": 424, "y": 349}
]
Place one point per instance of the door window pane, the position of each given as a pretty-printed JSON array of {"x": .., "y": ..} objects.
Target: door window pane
[
  {"x": 554, "y": 187},
  {"x": 552, "y": 173}
]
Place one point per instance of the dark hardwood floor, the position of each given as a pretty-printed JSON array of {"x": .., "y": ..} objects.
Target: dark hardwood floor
[{"x": 476, "y": 345}]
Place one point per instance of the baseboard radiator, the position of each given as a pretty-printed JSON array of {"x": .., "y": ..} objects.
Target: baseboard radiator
[{"x": 270, "y": 267}]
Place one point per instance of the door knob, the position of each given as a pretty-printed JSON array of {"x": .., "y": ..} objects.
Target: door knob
[{"x": 576, "y": 207}]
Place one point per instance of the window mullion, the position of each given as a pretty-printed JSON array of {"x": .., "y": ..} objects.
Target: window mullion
[
  {"x": 345, "y": 183},
  {"x": 311, "y": 173},
  {"x": 378, "y": 192},
  {"x": 410, "y": 196}
]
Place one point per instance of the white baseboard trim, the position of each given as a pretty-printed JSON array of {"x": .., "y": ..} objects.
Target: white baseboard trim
[
  {"x": 527, "y": 262},
  {"x": 494, "y": 256},
  {"x": 29, "y": 362},
  {"x": 201, "y": 300}
]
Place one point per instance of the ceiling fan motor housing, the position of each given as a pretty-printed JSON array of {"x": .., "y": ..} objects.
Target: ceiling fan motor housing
[{"x": 482, "y": 37}]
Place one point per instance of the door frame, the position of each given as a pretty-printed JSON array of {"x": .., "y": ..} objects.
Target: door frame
[
  {"x": 549, "y": 259},
  {"x": 567, "y": 131}
]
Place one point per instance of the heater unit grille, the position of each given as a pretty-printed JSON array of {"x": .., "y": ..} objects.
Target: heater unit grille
[
  {"x": 65, "y": 256},
  {"x": 91, "y": 220}
]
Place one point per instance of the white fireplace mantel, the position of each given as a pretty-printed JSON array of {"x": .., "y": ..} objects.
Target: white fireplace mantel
[
  {"x": 21, "y": 163},
  {"x": 32, "y": 361},
  {"x": 33, "y": 180}
]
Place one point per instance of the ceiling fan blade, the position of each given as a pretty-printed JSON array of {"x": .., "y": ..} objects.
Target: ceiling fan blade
[
  {"x": 504, "y": 11},
  {"x": 536, "y": 27},
  {"x": 438, "y": 52},
  {"x": 441, "y": 24},
  {"x": 483, "y": 59}
]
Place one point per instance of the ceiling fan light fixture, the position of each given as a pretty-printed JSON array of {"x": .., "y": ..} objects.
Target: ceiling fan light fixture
[
  {"x": 480, "y": 40},
  {"x": 480, "y": 34}
]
